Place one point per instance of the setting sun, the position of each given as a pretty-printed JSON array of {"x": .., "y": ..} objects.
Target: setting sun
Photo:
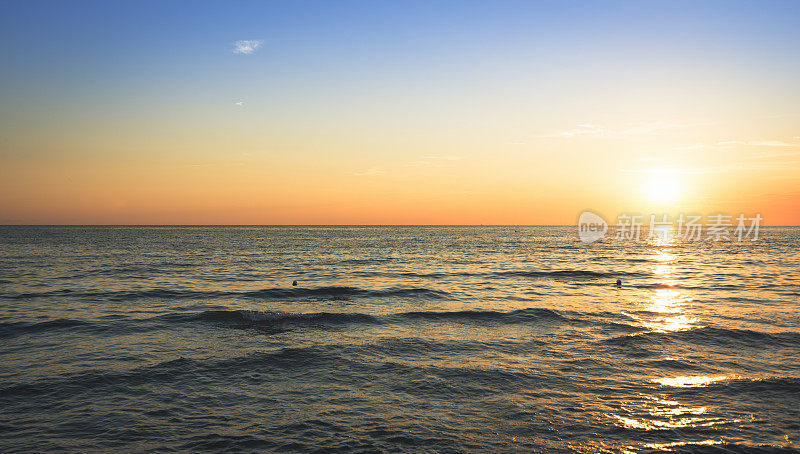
[{"x": 662, "y": 188}]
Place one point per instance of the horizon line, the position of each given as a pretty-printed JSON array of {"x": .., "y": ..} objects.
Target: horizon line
[{"x": 327, "y": 225}]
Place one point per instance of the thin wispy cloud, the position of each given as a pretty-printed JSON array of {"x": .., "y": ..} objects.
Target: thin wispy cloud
[
  {"x": 239, "y": 103},
  {"x": 246, "y": 46},
  {"x": 443, "y": 157},
  {"x": 753, "y": 143},
  {"x": 628, "y": 132},
  {"x": 674, "y": 171},
  {"x": 371, "y": 172},
  {"x": 782, "y": 154},
  {"x": 728, "y": 144},
  {"x": 785, "y": 161},
  {"x": 694, "y": 147},
  {"x": 770, "y": 143},
  {"x": 434, "y": 161}
]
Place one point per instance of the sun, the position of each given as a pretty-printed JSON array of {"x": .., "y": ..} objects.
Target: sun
[{"x": 662, "y": 188}]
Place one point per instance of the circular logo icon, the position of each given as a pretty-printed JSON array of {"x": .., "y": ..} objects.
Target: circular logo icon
[{"x": 591, "y": 227}]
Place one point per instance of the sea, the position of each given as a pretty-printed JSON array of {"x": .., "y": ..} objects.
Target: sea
[{"x": 396, "y": 339}]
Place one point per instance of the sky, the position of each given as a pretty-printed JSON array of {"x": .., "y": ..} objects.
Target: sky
[{"x": 404, "y": 112}]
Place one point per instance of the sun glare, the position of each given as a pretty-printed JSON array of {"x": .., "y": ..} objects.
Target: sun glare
[{"x": 662, "y": 188}]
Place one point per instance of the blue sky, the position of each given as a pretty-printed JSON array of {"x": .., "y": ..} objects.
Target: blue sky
[{"x": 83, "y": 44}]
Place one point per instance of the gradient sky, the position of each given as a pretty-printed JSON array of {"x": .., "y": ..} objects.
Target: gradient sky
[{"x": 401, "y": 112}]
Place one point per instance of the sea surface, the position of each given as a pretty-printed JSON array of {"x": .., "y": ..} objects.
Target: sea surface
[{"x": 396, "y": 339}]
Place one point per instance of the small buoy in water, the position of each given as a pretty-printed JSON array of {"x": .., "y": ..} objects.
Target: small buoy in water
[
  {"x": 619, "y": 282},
  {"x": 294, "y": 283}
]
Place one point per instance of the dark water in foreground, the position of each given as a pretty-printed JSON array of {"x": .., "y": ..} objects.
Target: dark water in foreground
[{"x": 412, "y": 339}]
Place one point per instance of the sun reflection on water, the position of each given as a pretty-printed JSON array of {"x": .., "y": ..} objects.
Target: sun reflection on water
[
  {"x": 656, "y": 414},
  {"x": 671, "y": 423},
  {"x": 671, "y": 312},
  {"x": 662, "y": 235},
  {"x": 677, "y": 444},
  {"x": 663, "y": 256},
  {"x": 668, "y": 309},
  {"x": 696, "y": 381}
]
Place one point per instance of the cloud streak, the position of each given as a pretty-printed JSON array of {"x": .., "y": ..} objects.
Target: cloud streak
[
  {"x": 246, "y": 47},
  {"x": 728, "y": 144},
  {"x": 753, "y": 143},
  {"x": 372, "y": 171},
  {"x": 629, "y": 132},
  {"x": 697, "y": 171},
  {"x": 434, "y": 161}
]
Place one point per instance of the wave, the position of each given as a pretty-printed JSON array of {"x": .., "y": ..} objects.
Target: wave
[
  {"x": 111, "y": 325},
  {"x": 280, "y": 321},
  {"x": 573, "y": 274},
  {"x": 365, "y": 261},
  {"x": 250, "y": 318},
  {"x": 330, "y": 292},
  {"x": 713, "y": 336},
  {"x": 32, "y": 295},
  {"x": 265, "y": 320},
  {"x": 134, "y": 270},
  {"x": 517, "y": 316},
  {"x": 277, "y": 319},
  {"x": 324, "y": 292},
  {"x": 247, "y": 317},
  {"x": 11, "y": 329},
  {"x": 316, "y": 359},
  {"x": 730, "y": 385},
  {"x": 715, "y": 448},
  {"x": 351, "y": 357},
  {"x": 553, "y": 274},
  {"x": 87, "y": 381},
  {"x": 342, "y": 292},
  {"x": 790, "y": 385}
]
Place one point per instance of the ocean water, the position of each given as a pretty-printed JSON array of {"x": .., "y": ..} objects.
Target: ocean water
[{"x": 396, "y": 339}]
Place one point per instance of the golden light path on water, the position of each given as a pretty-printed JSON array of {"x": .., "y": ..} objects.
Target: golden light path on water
[
  {"x": 670, "y": 306},
  {"x": 696, "y": 381},
  {"x": 667, "y": 310}
]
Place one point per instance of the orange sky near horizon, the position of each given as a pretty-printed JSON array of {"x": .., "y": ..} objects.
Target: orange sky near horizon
[{"x": 546, "y": 182}]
